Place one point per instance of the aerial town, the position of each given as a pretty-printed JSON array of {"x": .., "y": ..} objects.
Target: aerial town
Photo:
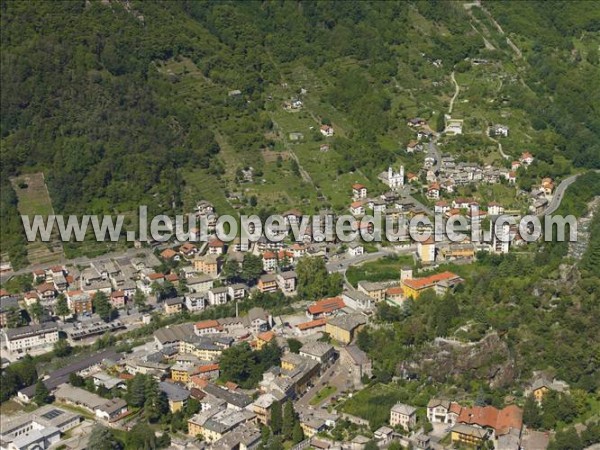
[{"x": 132, "y": 316}]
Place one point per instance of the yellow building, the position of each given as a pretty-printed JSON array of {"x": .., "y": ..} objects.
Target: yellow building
[
  {"x": 426, "y": 251},
  {"x": 173, "y": 305},
  {"x": 468, "y": 435},
  {"x": 181, "y": 373},
  {"x": 208, "y": 264},
  {"x": 263, "y": 339},
  {"x": 343, "y": 328},
  {"x": 413, "y": 287}
]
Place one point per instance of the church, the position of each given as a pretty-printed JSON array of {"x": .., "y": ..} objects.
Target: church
[{"x": 394, "y": 180}]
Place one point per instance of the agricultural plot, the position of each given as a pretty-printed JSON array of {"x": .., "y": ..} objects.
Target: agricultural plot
[{"x": 34, "y": 198}]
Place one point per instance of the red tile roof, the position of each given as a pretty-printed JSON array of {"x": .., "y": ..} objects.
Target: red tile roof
[
  {"x": 267, "y": 336},
  {"x": 172, "y": 277},
  {"x": 358, "y": 186},
  {"x": 207, "y": 368},
  {"x": 269, "y": 255},
  {"x": 395, "y": 290},
  {"x": 210, "y": 323},
  {"x": 326, "y": 305},
  {"x": 168, "y": 253},
  {"x": 426, "y": 282},
  {"x": 488, "y": 416},
  {"x": 155, "y": 276},
  {"x": 312, "y": 324}
]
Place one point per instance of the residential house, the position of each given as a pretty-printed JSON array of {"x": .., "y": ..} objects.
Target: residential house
[
  {"x": 207, "y": 327},
  {"x": 344, "y": 328},
  {"x": 9, "y": 309},
  {"x": 416, "y": 286},
  {"x": 394, "y": 295},
  {"x": 196, "y": 301},
  {"x": 325, "y": 307},
  {"x": 173, "y": 305},
  {"x": 176, "y": 395},
  {"x": 264, "y": 338},
  {"x": 169, "y": 254},
  {"x": 237, "y": 291},
  {"x": 468, "y": 435},
  {"x": 215, "y": 247},
  {"x": 355, "y": 248},
  {"x": 413, "y": 146},
  {"x": 443, "y": 411},
  {"x": 188, "y": 250},
  {"x": 267, "y": 283},
  {"x": 426, "y": 251},
  {"x": 357, "y": 299},
  {"x": 526, "y": 158},
  {"x": 359, "y": 191},
  {"x": 269, "y": 260},
  {"x": 321, "y": 352},
  {"x": 23, "y": 339},
  {"x": 79, "y": 302},
  {"x": 217, "y": 296},
  {"x": 117, "y": 299},
  {"x": 495, "y": 209},
  {"x": 326, "y": 130},
  {"x": 357, "y": 208},
  {"x": 433, "y": 191},
  {"x": 357, "y": 363},
  {"x": 112, "y": 410},
  {"x": 208, "y": 264},
  {"x": 202, "y": 283},
  {"x": 262, "y": 407},
  {"x": 404, "y": 416},
  {"x": 374, "y": 290},
  {"x": 287, "y": 281}
]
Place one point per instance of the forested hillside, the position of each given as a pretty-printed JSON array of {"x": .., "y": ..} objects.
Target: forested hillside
[{"x": 122, "y": 103}]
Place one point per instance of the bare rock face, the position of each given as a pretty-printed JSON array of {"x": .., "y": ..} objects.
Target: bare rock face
[{"x": 489, "y": 359}]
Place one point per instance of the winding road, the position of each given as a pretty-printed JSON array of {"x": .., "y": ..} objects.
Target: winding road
[
  {"x": 456, "y": 92},
  {"x": 559, "y": 193}
]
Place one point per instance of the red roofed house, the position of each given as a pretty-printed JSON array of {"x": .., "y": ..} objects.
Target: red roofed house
[
  {"x": 526, "y": 158},
  {"x": 433, "y": 191},
  {"x": 269, "y": 260},
  {"x": 325, "y": 307},
  {"x": 394, "y": 294},
  {"x": 156, "y": 278},
  {"x": 499, "y": 422},
  {"x": 326, "y": 130},
  {"x": 313, "y": 326},
  {"x": 216, "y": 247},
  {"x": 168, "y": 253},
  {"x": 117, "y": 299},
  {"x": 357, "y": 208},
  {"x": 412, "y": 177},
  {"x": 359, "y": 191},
  {"x": 172, "y": 278},
  {"x": 188, "y": 249},
  {"x": 264, "y": 338},
  {"x": 413, "y": 287},
  {"x": 207, "y": 327}
]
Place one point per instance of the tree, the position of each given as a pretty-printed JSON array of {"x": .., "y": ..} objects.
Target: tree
[
  {"x": 62, "y": 308},
  {"x": 36, "y": 311},
  {"x": 139, "y": 299},
  {"x": 141, "y": 436},
  {"x": 297, "y": 432},
  {"x": 289, "y": 418},
  {"x": 276, "y": 418},
  {"x": 371, "y": 445},
  {"x": 440, "y": 124},
  {"x": 294, "y": 344},
  {"x": 102, "y": 305},
  {"x": 314, "y": 281},
  {"x": 252, "y": 267},
  {"x": 42, "y": 394},
  {"x": 567, "y": 439},
  {"x": 231, "y": 271},
  {"x": 102, "y": 439},
  {"x": 531, "y": 413},
  {"x": 76, "y": 380},
  {"x": 62, "y": 348}
]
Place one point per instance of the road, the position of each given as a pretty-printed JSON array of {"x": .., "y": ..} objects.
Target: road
[
  {"x": 559, "y": 193},
  {"x": 456, "y": 92},
  {"x": 329, "y": 377}
]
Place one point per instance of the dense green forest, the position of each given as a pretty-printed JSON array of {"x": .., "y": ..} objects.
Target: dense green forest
[{"x": 91, "y": 97}]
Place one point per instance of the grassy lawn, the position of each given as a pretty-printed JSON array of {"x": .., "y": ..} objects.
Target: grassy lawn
[
  {"x": 34, "y": 199},
  {"x": 384, "y": 269},
  {"x": 374, "y": 403},
  {"x": 323, "y": 394}
]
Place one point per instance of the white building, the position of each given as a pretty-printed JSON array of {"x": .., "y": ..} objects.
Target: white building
[
  {"x": 403, "y": 415},
  {"x": 24, "y": 339},
  {"x": 394, "y": 180}
]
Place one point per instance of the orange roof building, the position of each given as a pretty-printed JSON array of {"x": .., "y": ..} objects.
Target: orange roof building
[
  {"x": 413, "y": 287},
  {"x": 317, "y": 323},
  {"x": 325, "y": 307}
]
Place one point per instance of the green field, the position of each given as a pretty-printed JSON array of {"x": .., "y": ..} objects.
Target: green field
[
  {"x": 324, "y": 393},
  {"x": 34, "y": 199},
  {"x": 384, "y": 269}
]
